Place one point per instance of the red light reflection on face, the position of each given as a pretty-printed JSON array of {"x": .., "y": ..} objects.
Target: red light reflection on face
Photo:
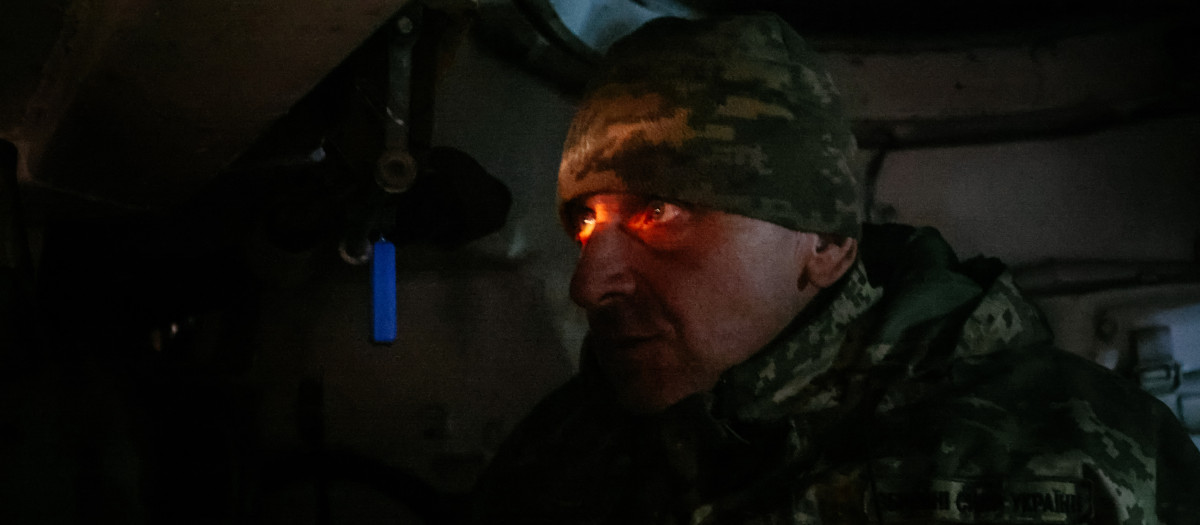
[
  {"x": 597, "y": 214},
  {"x": 649, "y": 219},
  {"x": 585, "y": 231}
]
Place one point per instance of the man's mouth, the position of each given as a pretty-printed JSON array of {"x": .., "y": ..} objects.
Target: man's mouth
[
  {"x": 624, "y": 323},
  {"x": 624, "y": 333},
  {"x": 621, "y": 340},
  {"x": 628, "y": 352}
]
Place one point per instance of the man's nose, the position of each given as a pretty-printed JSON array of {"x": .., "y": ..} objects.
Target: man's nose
[{"x": 603, "y": 272}]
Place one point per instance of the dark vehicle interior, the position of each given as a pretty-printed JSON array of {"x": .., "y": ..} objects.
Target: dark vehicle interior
[{"x": 191, "y": 193}]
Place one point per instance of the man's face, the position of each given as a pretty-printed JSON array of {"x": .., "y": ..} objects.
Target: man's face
[{"x": 675, "y": 295}]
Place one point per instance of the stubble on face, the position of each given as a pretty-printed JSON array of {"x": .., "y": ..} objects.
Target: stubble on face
[{"x": 712, "y": 300}]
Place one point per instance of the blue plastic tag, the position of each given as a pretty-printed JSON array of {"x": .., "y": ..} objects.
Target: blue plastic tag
[{"x": 383, "y": 292}]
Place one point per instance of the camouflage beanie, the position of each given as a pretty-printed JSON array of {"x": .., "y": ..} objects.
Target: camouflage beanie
[{"x": 734, "y": 114}]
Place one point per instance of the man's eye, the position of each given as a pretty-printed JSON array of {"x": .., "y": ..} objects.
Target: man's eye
[
  {"x": 585, "y": 224},
  {"x": 659, "y": 212}
]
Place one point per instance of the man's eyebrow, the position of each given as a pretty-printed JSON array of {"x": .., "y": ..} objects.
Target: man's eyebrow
[{"x": 574, "y": 205}]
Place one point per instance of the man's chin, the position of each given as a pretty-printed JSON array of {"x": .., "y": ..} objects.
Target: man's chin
[{"x": 638, "y": 399}]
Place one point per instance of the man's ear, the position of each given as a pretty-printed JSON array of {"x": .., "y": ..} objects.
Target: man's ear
[{"x": 829, "y": 258}]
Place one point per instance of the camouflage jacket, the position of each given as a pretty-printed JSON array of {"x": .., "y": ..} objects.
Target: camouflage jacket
[{"x": 920, "y": 390}]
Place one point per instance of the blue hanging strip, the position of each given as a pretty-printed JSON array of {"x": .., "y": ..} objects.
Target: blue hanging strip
[{"x": 383, "y": 291}]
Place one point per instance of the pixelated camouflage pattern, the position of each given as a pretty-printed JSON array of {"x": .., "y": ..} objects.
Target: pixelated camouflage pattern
[
  {"x": 735, "y": 114},
  {"x": 788, "y": 377},
  {"x": 918, "y": 389}
]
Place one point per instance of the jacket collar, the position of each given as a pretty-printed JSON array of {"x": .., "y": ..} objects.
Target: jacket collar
[{"x": 784, "y": 377}]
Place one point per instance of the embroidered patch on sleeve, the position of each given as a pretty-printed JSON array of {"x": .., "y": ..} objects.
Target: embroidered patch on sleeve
[{"x": 982, "y": 501}]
